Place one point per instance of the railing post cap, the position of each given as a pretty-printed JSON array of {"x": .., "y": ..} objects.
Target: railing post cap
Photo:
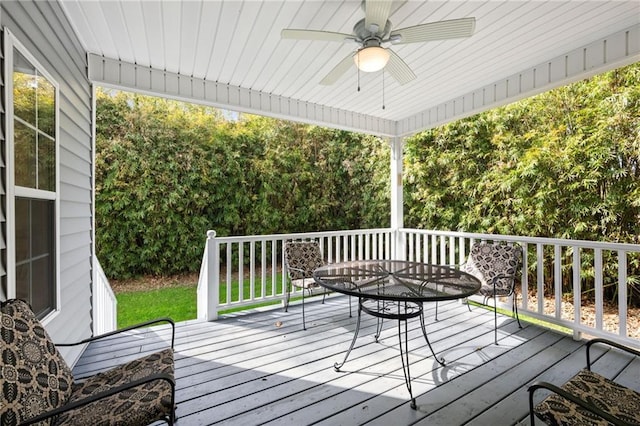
[{"x": 211, "y": 234}]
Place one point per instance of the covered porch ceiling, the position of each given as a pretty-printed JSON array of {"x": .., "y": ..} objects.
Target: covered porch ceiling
[{"x": 230, "y": 54}]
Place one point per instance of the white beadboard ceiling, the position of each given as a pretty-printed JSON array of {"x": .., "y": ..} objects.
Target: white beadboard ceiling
[{"x": 237, "y": 44}]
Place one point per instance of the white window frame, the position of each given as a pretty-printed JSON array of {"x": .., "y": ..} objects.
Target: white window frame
[{"x": 11, "y": 43}]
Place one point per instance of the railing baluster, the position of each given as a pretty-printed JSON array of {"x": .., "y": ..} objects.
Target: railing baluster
[
  {"x": 524, "y": 288},
  {"x": 577, "y": 292},
  {"x": 434, "y": 249},
  {"x": 597, "y": 266},
  {"x": 413, "y": 253},
  {"x": 622, "y": 292},
  {"x": 240, "y": 272},
  {"x": 252, "y": 270},
  {"x": 540, "y": 276},
  {"x": 274, "y": 274},
  {"x": 557, "y": 279},
  {"x": 452, "y": 251}
]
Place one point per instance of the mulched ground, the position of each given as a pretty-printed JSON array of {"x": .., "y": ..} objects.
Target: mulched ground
[{"x": 153, "y": 283}]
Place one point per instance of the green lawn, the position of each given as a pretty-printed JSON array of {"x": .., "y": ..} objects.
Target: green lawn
[{"x": 178, "y": 303}]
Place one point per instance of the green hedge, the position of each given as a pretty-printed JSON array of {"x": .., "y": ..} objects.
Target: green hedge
[{"x": 166, "y": 172}]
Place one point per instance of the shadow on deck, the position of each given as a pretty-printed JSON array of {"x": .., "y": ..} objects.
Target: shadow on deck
[{"x": 261, "y": 367}]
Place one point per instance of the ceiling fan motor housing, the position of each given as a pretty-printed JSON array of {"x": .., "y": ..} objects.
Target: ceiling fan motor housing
[{"x": 364, "y": 34}]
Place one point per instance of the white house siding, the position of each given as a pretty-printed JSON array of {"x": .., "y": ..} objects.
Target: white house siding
[{"x": 44, "y": 30}]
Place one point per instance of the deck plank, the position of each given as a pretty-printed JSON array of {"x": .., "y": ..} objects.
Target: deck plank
[{"x": 262, "y": 368}]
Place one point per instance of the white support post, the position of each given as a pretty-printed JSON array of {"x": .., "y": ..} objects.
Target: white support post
[
  {"x": 213, "y": 264},
  {"x": 397, "y": 202}
]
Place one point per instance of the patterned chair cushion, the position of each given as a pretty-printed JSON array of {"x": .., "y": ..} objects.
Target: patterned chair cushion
[
  {"x": 617, "y": 400},
  {"x": 488, "y": 260},
  {"x": 34, "y": 377},
  {"x": 140, "y": 405},
  {"x": 302, "y": 258}
]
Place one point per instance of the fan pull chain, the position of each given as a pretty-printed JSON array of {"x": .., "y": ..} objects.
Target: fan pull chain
[
  {"x": 358, "y": 57},
  {"x": 383, "y": 89}
]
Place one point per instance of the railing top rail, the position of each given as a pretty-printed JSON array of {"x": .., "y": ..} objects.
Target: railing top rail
[
  {"x": 532, "y": 240},
  {"x": 301, "y": 235}
]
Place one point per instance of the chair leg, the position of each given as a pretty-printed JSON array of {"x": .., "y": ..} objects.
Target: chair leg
[
  {"x": 436, "y": 317},
  {"x": 350, "y": 315},
  {"x": 468, "y": 306},
  {"x": 515, "y": 309},
  {"x": 495, "y": 319},
  {"x": 286, "y": 300},
  {"x": 304, "y": 324}
]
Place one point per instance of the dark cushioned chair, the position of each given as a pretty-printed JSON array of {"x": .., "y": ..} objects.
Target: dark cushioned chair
[
  {"x": 588, "y": 398},
  {"x": 38, "y": 386}
]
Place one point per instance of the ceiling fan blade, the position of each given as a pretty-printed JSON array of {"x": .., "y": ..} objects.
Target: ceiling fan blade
[
  {"x": 376, "y": 13},
  {"x": 314, "y": 35},
  {"x": 338, "y": 71},
  {"x": 399, "y": 69},
  {"x": 454, "y": 28}
]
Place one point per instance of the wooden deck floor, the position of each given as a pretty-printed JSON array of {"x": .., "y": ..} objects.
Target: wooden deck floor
[{"x": 262, "y": 368}]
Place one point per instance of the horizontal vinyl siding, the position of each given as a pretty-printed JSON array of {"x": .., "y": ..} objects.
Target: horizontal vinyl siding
[
  {"x": 3, "y": 189},
  {"x": 42, "y": 28}
]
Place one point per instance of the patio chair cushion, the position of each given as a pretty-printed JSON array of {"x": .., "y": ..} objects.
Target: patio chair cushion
[
  {"x": 487, "y": 260},
  {"x": 302, "y": 258},
  {"x": 615, "y": 399},
  {"x": 136, "y": 406},
  {"x": 34, "y": 377}
]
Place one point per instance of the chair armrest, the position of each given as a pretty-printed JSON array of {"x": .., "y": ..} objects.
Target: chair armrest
[
  {"x": 291, "y": 268},
  {"x": 610, "y": 343},
  {"x": 131, "y": 327},
  {"x": 502, "y": 276},
  {"x": 566, "y": 395},
  {"x": 101, "y": 395}
]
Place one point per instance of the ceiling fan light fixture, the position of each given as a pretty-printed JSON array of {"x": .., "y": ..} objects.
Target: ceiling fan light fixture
[{"x": 371, "y": 59}]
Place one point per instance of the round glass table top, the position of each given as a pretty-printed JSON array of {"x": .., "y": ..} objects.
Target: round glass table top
[{"x": 397, "y": 280}]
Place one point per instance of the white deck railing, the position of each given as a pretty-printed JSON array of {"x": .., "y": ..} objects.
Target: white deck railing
[
  {"x": 557, "y": 271},
  {"x": 247, "y": 270},
  {"x": 244, "y": 271},
  {"x": 105, "y": 305}
]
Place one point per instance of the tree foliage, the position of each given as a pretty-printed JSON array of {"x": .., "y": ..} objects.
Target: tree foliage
[
  {"x": 562, "y": 164},
  {"x": 166, "y": 172}
]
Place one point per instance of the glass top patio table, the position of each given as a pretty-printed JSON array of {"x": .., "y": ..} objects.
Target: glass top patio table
[
  {"x": 397, "y": 280},
  {"x": 396, "y": 289}
]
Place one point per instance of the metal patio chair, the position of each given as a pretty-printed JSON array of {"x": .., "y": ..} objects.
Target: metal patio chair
[
  {"x": 496, "y": 265},
  {"x": 301, "y": 258},
  {"x": 38, "y": 386}
]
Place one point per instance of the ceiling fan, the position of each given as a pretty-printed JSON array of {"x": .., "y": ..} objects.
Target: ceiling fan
[{"x": 374, "y": 32}]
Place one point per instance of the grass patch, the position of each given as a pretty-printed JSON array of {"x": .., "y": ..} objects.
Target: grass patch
[
  {"x": 523, "y": 317},
  {"x": 178, "y": 303}
]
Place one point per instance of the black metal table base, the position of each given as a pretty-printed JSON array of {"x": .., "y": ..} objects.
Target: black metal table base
[{"x": 401, "y": 311}]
